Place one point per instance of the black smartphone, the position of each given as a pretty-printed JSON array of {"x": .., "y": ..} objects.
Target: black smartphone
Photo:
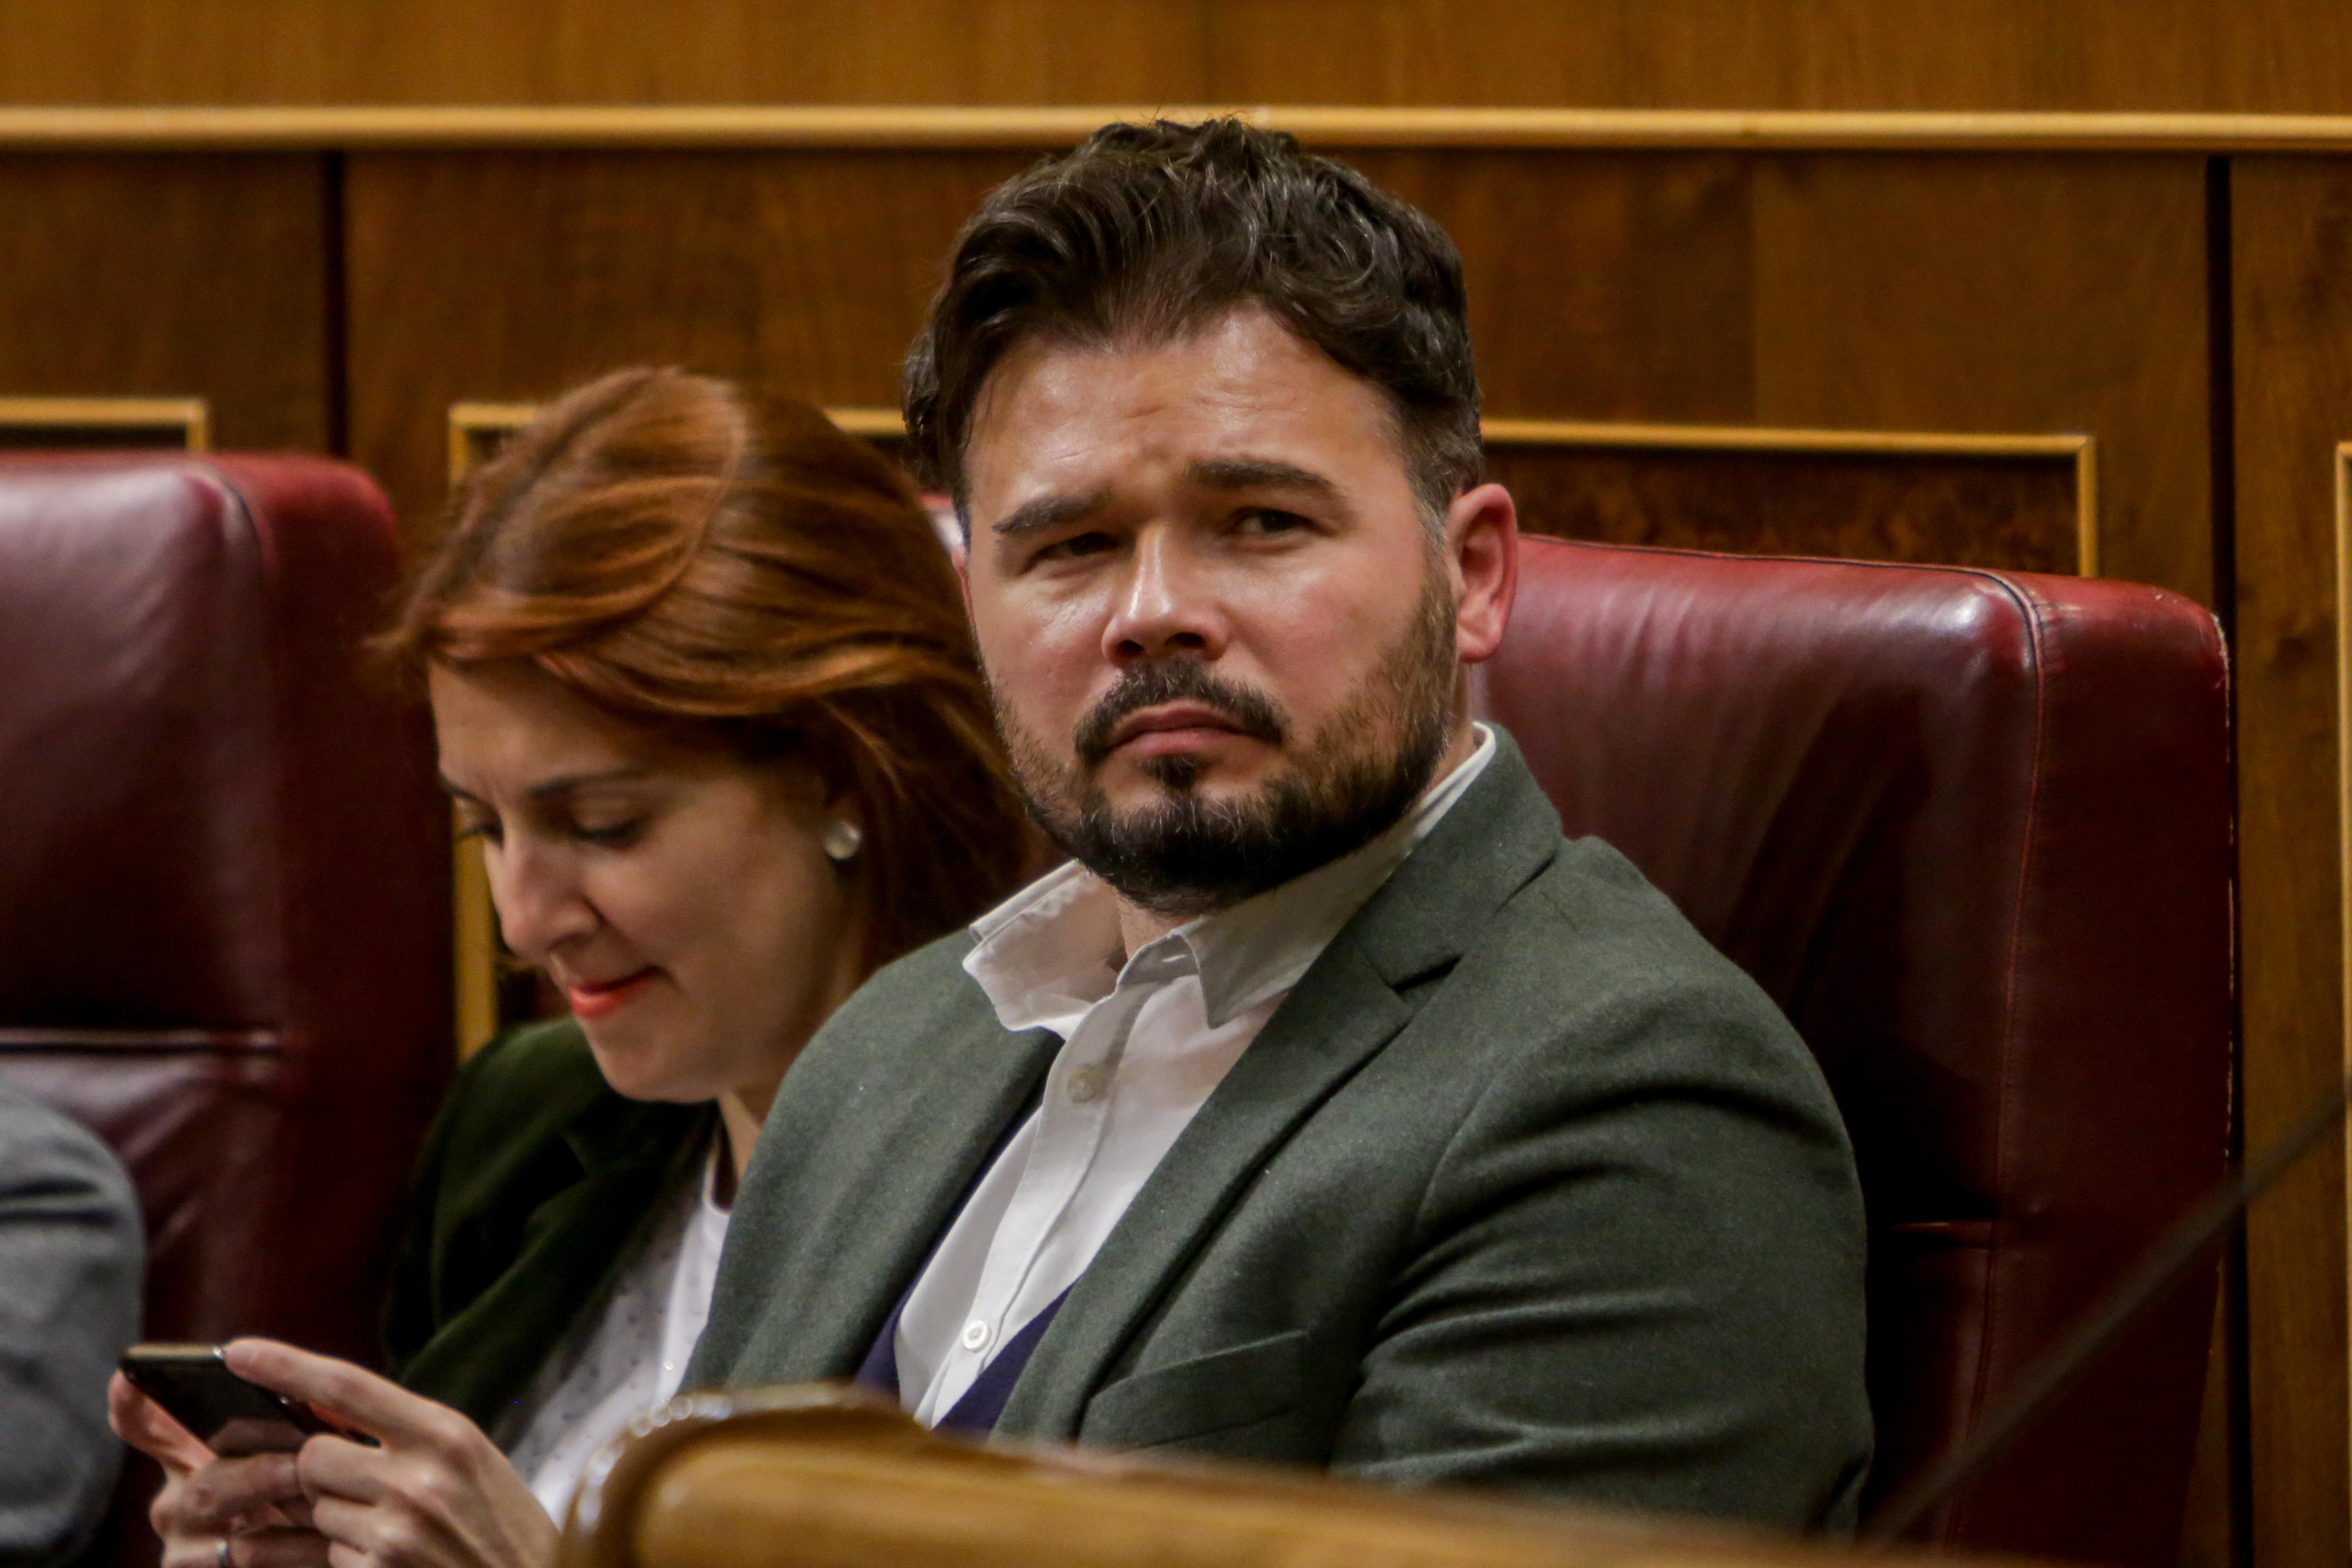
[{"x": 228, "y": 1415}]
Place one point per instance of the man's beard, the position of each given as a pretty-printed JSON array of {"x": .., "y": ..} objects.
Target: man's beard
[{"x": 1181, "y": 856}]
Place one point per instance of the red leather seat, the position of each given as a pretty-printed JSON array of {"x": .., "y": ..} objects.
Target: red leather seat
[
  {"x": 224, "y": 919},
  {"x": 1971, "y": 831}
]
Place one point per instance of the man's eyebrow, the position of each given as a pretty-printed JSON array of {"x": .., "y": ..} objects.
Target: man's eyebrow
[
  {"x": 561, "y": 785},
  {"x": 1046, "y": 512},
  {"x": 1253, "y": 473}
]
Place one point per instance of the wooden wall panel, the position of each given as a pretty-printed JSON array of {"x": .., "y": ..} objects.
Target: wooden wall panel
[
  {"x": 1684, "y": 288},
  {"x": 602, "y": 51},
  {"x": 1917, "y": 292},
  {"x": 1904, "y": 292},
  {"x": 2292, "y": 273},
  {"x": 507, "y": 278},
  {"x": 163, "y": 276},
  {"x": 2247, "y": 55},
  {"x": 1603, "y": 286},
  {"x": 2251, "y": 55}
]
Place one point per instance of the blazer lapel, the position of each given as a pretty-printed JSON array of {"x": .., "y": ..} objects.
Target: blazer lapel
[
  {"x": 859, "y": 1229},
  {"x": 1500, "y": 834},
  {"x": 630, "y": 1158}
]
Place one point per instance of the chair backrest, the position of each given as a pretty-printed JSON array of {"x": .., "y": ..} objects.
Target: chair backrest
[
  {"x": 1971, "y": 831},
  {"x": 224, "y": 916},
  {"x": 786, "y": 1478}
]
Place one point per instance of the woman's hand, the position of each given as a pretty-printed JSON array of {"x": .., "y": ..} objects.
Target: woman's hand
[
  {"x": 254, "y": 1503},
  {"x": 438, "y": 1494}
]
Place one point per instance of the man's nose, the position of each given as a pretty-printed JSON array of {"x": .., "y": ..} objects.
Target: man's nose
[
  {"x": 1164, "y": 605},
  {"x": 539, "y": 901}
]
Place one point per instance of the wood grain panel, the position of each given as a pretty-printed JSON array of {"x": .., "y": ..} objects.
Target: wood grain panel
[
  {"x": 1926, "y": 292},
  {"x": 603, "y": 51},
  {"x": 2292, "y": 273},
  {"x": 507, "y": 278},
  {"x": 2256, "y": 55},
  {"x": 151, "y": 275},
  {"x": 1603, "y": 285},
  {"x": 2014, "y": 513},
  {"x": 2261, "y": 56},
  {"x": 1903, "y": 292}
]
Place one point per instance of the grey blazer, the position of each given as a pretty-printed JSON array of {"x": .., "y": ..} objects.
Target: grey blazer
[
  {"x": 1523, "y": 1185},
  {"x": 71, "y": 1264}
]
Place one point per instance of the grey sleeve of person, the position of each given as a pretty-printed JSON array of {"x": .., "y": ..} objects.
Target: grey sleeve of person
[{"x": 71, "y": 1264}]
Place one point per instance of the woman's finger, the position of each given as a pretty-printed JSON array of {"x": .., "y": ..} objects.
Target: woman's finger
[
  {"x": 191, "y": 1551},
  {"x": 217, "y": 1498},
  {"x": 277, "y": 1549},
  {"x": 389, "y": 1537},
  {"x": 150, "y": 1429},
  {"x": 330, "y": 1466},
  {"x": 348, "y": 1395}
]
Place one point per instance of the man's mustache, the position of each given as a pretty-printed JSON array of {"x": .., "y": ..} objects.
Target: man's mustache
[{"x": 1251, "y": 713}]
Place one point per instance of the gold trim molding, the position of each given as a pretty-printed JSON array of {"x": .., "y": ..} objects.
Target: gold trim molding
[
  {"x": 2080, "y": 451},
  {"x": 474, "y": 430},
  {"x": 2342, "y": 477},
  {"x": 364, "y": 128},
  {"x": 189, "y": 418}
]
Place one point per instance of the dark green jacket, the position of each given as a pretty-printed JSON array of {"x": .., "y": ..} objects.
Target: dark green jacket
[
  {"x": 535, "y": 1178},
  {"x": 1523, "y": 1185}
]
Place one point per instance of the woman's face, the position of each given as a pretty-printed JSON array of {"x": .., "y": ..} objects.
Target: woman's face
[{"x": 680, "y": 899}]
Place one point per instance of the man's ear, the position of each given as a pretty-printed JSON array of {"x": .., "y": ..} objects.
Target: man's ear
[{"x": 1482, "y": 546}]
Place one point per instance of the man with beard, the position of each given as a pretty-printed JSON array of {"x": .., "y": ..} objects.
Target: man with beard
[{"x": 1330, "y": 1107}]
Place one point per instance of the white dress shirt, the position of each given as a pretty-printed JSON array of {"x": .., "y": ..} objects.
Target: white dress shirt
[
  {"x": 1145, "y": 1038},
  {"x": 633, "y": 1355}
]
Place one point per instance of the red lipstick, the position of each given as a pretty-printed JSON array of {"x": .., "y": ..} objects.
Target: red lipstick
[{"x": 597, "y": 1000}]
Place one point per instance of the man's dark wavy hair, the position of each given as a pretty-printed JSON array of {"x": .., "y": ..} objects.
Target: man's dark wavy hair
[{"x": 1149, "y": 231}]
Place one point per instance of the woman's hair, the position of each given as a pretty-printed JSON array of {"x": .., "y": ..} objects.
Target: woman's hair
[{"x": 737, "y": 572}]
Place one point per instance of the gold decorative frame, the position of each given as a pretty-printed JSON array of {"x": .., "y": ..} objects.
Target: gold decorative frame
[
  {"x": 2082, "y": 451},
  {"x": 476, "y": 428},
  {"x": 189, "y": 419}
]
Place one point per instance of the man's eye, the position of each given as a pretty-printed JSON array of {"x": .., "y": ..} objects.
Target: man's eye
[
  {"x": 483, "y": 828},
  {"x": 1077, "y": 545},
  {"x": 609, "y": 835},
  {"x": 1265, "y": 520}
]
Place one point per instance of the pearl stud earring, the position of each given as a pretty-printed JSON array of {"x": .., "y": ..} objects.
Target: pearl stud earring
[{"x": 842, "y": 839}]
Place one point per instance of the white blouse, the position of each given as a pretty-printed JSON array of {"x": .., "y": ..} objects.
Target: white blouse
[{"x": 633, "y": 1357}]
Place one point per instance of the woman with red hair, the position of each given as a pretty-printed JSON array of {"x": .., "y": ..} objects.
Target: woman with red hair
[{"x": 702, "y": 686}]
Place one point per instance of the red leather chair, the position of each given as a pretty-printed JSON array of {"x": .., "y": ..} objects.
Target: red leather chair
[
  {"x": 224, "y": 916},
  {"x": 1971, "y": 831}
]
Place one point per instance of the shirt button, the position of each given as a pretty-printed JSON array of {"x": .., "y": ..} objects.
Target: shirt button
[
  {"x": 974, "y": 1336},
  {"x": 1087, "y": 1083}
]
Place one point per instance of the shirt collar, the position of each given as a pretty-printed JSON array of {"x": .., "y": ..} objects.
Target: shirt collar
[{"x": 1052, "y": 950}]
